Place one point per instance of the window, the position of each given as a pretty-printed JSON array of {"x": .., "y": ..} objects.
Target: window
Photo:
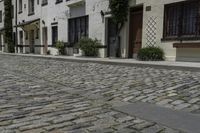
[
  {"x": 31, "y": 7},
  {"x": 182, "y": 20},
  {"x": 78, "y": 27},
  {"x": 44, "y": 2},
  {"x": 58, "y": 1},
  {"x": 1, "y": 16},
  {"x": 20, "y": 6}
]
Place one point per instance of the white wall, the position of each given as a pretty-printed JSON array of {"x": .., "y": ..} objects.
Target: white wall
[{"x": 55, "y": 13}]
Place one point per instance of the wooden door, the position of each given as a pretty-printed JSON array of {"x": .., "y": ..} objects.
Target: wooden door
[
  {"x": 1, "y": 42},
  {"x": 111, "y": 38},
  {"x": 54, "y": 35},
  {"x": 136, "y": 20},
  {"x": 21, "y": 37},
  {"x": 32, "y": 41},
  {"x": 44, "y": 32}
]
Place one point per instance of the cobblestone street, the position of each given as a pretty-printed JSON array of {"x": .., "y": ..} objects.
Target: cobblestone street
[{"x": 49, "y": 96}]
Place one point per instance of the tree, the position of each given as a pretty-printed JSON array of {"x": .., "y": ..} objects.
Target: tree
[
  {"x": 8, "y": 26},
  {"x": 119, "y": 10}
]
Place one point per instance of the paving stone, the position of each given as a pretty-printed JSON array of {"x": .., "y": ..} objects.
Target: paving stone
[
  {"x": 194, "y": 100},
  {"x": 177, "y": 102},
  {"x": 127, "y": 130},
  {"x": 143, "y": 125},
  {"x": 128, "y": 98},
  {"x": 124, "y": 119},
  {"x": 164, "y": 101},
  {"x": 35, "y": 131},
  {"x": 182, "y": 106},
  {"x": 153, "y": 129},
  {"x": 5, "y": 123},
  {"x": 57, "y": 126},
  {"x": 33, "y": 126},
  {"x": 64, "y": 118}
]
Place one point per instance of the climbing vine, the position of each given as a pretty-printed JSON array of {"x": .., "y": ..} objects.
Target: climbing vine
[
  {"x": 119, "y": 10},
  {"x": 8, "y": 26}
]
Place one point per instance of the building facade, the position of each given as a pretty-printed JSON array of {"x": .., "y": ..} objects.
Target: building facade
[{"x": 173, "y": 25}]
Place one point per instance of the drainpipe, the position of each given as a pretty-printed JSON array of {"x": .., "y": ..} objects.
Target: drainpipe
[{"x": 16, "y": 29}]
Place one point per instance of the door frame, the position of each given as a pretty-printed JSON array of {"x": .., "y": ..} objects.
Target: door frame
[{"x": 136, "y": 9}]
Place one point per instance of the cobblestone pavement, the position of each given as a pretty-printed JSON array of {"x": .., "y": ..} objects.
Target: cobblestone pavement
[{"x": 40, "y": 95}]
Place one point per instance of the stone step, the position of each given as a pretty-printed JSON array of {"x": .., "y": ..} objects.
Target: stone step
[{"x": 180, "y": 120}]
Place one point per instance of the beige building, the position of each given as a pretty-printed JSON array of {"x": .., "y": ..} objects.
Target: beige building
[{"x": 173, "y": 25}]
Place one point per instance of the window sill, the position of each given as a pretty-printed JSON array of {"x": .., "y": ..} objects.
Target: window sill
[
  {"x": 75, "y": 3},
  {"x": 44, "y": 4},
  {"x": 19, "y": 12},
  {"x": 180, "y": 39},
  {"x": 58, "y": 2},
  {"x": 186, "y": 45},
  {"x": 30, "y": 14}
]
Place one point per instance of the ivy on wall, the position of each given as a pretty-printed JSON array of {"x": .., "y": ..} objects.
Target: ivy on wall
[
  {"x": 119, "y": 11},
  {"x": 8, "y": 26}
]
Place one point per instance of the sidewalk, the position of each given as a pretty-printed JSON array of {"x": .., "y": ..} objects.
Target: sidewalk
[{"x": 191, "y": 66}]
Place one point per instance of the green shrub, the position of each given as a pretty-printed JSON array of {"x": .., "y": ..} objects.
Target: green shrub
[
  {"x": 151, "y": 53},
  {"x": 89, "y": 46},
  {"x": 61, "y": 47}
]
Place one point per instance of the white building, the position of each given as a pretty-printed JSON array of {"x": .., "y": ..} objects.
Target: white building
[{"x": 173, "y": 25}]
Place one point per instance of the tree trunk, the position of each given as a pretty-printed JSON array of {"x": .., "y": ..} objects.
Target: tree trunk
[{"x": 8, "y": 26}]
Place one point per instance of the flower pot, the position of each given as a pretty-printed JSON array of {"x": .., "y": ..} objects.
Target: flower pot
[{"x": 80, "y": 53}]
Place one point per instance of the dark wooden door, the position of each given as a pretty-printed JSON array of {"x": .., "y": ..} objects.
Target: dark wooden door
[
  {"x": 111, "y": 38},
  {"x": 54, "y": 35},
  {"x": 21, "y": 41},
  {"x": 32, "y": 41},
  {"x": 136, "y": 20},
  {"x": 44, "y": 32},
  {"x": 1, "y": 42}
]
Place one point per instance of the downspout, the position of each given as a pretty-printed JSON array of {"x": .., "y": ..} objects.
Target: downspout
[{"x": 16, "y": 29}]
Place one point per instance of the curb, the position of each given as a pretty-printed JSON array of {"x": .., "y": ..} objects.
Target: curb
[{"x": 108, "y": 62}]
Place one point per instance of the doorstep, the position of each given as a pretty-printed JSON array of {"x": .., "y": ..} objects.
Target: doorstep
[{"x": 190, "y": 66}]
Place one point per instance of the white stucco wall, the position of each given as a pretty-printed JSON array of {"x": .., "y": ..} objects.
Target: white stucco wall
[
  {"x": 97, "y": 23},
  {"x": 55, "y": 14},
  {"x": 2, "y": 9}
]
